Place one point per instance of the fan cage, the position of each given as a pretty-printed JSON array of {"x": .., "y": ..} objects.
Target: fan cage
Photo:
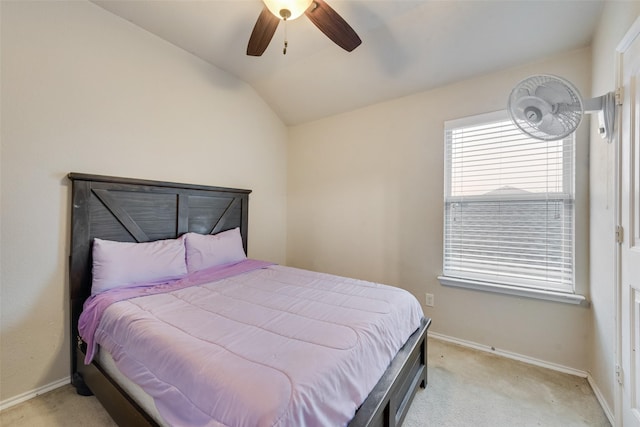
[{"x": 569, "y": 116}]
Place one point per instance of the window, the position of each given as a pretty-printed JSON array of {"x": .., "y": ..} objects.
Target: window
[{"x": 509, "y": 208}]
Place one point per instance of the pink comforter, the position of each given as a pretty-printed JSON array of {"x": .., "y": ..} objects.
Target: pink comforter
[{"x": 276, "y": 346}]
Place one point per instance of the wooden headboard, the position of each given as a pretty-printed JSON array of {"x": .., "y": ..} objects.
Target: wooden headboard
[{"x": 134, "y": 210}]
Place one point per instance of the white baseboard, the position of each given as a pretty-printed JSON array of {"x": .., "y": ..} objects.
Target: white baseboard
[
  {"x": 531, "y": 361},
  {"x": 510, "y": 355},
  {"x": 603, "y": 403},
  {"x": 5, "y": 404}
]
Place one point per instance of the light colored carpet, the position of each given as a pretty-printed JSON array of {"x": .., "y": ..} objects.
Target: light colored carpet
[
  {"x": 466, "y": 388},
  {"x": 60, "y": 407}
]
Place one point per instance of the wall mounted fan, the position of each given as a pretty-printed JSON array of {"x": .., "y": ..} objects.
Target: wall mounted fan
[
  {"x": 550, "y": 108},
  {"x": 319, "y": 12}
]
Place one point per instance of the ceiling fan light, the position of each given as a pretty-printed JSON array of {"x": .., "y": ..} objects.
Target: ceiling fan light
[{"x": 294, "y": 7}]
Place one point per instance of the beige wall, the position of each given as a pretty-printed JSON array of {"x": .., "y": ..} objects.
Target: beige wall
[
  {"x": 365, "y": 194},
  {"x": 616, "y": 19},
  {"x": 85, "y": 91}
]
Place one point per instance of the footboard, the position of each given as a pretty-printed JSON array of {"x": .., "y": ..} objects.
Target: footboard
[{"x": 388, "y": 403}]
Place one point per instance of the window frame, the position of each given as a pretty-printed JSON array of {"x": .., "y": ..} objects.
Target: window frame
[{"x": 479, "y": 283}]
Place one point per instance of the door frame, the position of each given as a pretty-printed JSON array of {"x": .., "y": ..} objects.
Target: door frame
[{"x": 625, "y": 43}]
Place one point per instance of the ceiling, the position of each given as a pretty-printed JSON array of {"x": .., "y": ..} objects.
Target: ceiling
[{"x": 407, "y": 45}]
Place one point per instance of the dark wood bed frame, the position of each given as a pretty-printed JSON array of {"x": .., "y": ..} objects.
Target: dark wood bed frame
[{"x": 134, "y": 210}]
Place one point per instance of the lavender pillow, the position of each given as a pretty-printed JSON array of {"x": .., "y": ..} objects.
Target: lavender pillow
[
  {"x": 121, "y": 264},
  {"x": 204, "y": 251}
]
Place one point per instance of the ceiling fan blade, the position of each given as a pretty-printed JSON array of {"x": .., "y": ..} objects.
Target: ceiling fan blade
[
  {"x": 332, "y": 25},
  {"x": 262, "y": 33}
]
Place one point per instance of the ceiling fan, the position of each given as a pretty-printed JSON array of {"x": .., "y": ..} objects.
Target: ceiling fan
[{"x": 319, "y": 12}]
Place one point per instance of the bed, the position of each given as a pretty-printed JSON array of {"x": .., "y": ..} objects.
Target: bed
[{"x": 132, "y": 210}]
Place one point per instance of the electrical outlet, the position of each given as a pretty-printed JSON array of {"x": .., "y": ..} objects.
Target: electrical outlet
[{"x": 428, "y": 300}]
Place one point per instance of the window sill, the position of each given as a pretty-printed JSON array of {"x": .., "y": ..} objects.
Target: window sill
[{"x": 514, "y": 290}]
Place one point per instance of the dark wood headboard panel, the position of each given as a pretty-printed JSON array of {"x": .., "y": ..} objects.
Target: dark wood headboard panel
[{"x": 135, "y": 210}]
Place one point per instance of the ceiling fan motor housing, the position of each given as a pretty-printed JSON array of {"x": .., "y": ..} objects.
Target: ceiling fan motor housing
[{"x": 287, "y": 9}]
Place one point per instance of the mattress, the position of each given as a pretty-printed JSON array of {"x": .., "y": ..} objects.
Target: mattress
[
  {"x": 144, "y": 400},
  {"x": 276, "y": 346}
]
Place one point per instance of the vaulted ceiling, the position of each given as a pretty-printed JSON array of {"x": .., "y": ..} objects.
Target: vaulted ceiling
[{"x": 407, "y": 45}]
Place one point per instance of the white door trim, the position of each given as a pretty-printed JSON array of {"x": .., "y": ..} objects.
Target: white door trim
[{"x": 625, "y": 43}]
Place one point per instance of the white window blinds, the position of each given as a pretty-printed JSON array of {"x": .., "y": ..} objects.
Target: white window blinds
[{"x": 509, "y": 205}]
